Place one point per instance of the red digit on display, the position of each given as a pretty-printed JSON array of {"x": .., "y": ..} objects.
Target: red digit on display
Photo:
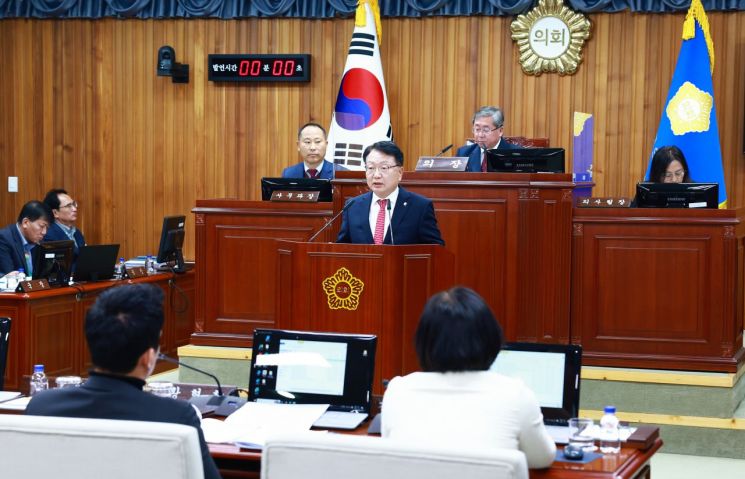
[
  {"x": 289, "y": 68},
  {"x": 277, "y": 68},
  {"x": 243, "y": 68},
  {"x": 255, "y": 68}
]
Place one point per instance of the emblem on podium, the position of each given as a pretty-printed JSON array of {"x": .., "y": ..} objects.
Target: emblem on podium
[{"x": 343, "y": 290}]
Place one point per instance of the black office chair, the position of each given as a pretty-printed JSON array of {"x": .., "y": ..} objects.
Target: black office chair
[{"x": 4, "y": 341}]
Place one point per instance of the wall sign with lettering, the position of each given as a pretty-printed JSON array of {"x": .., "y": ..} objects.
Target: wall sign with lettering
[
  {"x": 550, "y": 38},
  {"x": 258, "y": 68}
]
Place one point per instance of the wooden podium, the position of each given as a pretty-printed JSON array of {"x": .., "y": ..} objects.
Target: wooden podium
[
  {"x": 364, "y": 289},
  {"x": 659, "y": 288}
]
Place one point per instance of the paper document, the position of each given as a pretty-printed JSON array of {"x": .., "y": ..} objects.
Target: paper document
[
  {"x": 8, "y": 395},
  {"x": 251, "y": 424},
  {"x": 18, "y": 404}
]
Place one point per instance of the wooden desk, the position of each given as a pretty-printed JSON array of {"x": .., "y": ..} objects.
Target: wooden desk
[
  {"x": 659, "y": 288},
  {"x": 48, "y": 325},
  {"x": 629, "y": 464}
]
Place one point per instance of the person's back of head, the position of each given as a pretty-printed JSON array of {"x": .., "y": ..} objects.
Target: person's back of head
[
  {"x": 123, "y": 323},
  {"x": 457, "y": 332},
  {"x": 35, "y": 210}
]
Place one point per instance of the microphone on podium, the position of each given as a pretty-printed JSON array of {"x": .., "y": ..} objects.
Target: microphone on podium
[
  {"x": 444, "y": 150},
  {"x": 330, "y": 222},
  {"x": 221, "y": 405}
]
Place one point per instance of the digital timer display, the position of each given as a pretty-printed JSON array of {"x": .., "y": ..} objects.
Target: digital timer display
[{"x": 259, "y": 68}]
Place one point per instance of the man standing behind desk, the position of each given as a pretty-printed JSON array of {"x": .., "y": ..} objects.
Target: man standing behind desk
[
  {"x": 65, "y": 211},
  {"x": 488, "y": 128},
  {"x": 388, "y": 214},
  {"x": 18, "y": 239},
  {"x": 123, "y": 329},
  {"x": 311, "y": 144}
]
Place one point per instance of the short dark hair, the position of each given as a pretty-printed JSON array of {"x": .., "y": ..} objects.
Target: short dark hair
[
  {"x": 457, "y": 332},
  {"x": 387, "y": 147},
  {"x": 300, "y": 130},
  {"x": 662, "y": 159},
  {"x": 34, "y": 210},
  {"x": 123, "y": 323},
  {"x": 52, "y": 198}
]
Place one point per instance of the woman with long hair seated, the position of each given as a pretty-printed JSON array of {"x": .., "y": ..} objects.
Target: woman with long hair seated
[
  {"x": 456, "y": 400},
  {"x": 669, "y": 165}
]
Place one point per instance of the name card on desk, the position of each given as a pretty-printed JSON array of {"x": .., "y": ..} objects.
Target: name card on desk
[
  {"x": 296, "y": 196},
  {"x": 136, "y": 272},
  {"x": 596, "y": 202},
  {"x": 33, "y": 285},
  {"x": 441, "y": 163}
]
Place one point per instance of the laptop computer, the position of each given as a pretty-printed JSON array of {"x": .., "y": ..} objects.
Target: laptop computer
[
  {"x": 299, "y": 367},
  {"x": 96, "y": 262},
  {"x": 552, "y": 372}
]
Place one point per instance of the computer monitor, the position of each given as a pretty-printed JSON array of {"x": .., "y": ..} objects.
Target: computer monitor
[
  {"x": 172, "y": 242},
  {"x": 96, "y": 262},
  {"x": 323, "y": 187},
  {"x": 53, "y": 260},
  {"x": 677, "y": 195},
  {"x": 526, "y": 160},
  {"x": 551, "y": 371},
  {"x": 300, "y": 367}
]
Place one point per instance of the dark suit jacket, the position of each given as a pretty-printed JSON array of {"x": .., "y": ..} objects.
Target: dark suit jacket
[
  {"x": 413, "y": 221},
  {"x": 11, "y": 250},
  {"x": 473, "y": 152},
  {"x": 298, "y": 171},
  {"x": 111, "y": 397},
  {"x": 55, "y": 233}
]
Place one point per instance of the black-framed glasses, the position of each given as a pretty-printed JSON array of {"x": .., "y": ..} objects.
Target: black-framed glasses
[{"x": 74, "y": 204}]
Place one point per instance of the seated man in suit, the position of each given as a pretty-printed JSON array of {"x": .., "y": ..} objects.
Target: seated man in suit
[
  {"x": 388, "y": 214},
  {"x": 488, "y": 128},
  {"x": 18, "y": 239},
  {"x": 65, "y": 211},
  {"x": 311, "y": 144},
  {"x": 122, "y": 329}
]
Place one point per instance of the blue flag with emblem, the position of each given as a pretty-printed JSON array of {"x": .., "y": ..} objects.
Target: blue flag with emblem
[{"x": 689, "y": 119}]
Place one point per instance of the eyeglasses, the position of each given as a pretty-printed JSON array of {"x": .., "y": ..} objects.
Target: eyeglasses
[
  {"x": 383, "y": 169},
  {"x": 74, "y": 204},
  {"x": 484, "y": 131},
  {"x": 677, "y": 174}
]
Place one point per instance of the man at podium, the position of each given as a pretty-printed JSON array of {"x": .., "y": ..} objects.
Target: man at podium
[{"x": 388, "y": 214}]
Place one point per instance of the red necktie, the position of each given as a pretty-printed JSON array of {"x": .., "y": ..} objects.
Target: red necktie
[
  {"x": 312, "y": 172},
  {"x": 380, "y": 223},
  {"x": 483, "y": 160}
]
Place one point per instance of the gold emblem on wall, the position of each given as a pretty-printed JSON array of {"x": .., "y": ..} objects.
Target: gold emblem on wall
[
  {"x": 550, "y": 38},
  {"x": 689, "y": 110},
  {"x": 343, "y": 290}
]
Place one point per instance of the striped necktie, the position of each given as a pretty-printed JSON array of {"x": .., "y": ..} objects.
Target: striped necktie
[{"x": 380, "y": 223}]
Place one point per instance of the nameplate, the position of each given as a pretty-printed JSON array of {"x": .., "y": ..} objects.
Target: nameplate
[
  {"x": 33, "y": 285},
  {"x": 136, "y": 272},
  {"x": 297, "y": 196},
  {"x": 597, "y": 202},
  {"x": 442, "y": 163}
]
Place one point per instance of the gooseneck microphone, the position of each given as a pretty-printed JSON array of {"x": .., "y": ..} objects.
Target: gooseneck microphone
[
  {"x": 330, "y": 222},
  {"x": 163, "y": 357},
  {"x": 390, "y": 221},
  {"x": 444, "y": 150}
]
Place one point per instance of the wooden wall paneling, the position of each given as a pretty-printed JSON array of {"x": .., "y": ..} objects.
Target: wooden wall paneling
[{"x": 82, "y": 107}]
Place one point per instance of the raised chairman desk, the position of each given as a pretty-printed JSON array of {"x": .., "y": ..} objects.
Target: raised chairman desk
[
  {"x": 629, "y": 464},
  {"x": 659, "y": 288},
  {"x": 47, "y": 326}
]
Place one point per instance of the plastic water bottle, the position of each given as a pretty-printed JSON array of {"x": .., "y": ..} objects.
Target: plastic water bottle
[
  {"x": 39, "y": 381},
  {"x": 120, "y": 269},
  {"x": 21, "y": 275},
  {"x": 610, "y": 439},
  {"x": 150, "y": 262}
]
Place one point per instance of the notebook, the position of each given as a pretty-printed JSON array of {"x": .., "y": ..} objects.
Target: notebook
[
  {"x": 551, "y": 371},
  {"x": 298, "y": 367}
]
